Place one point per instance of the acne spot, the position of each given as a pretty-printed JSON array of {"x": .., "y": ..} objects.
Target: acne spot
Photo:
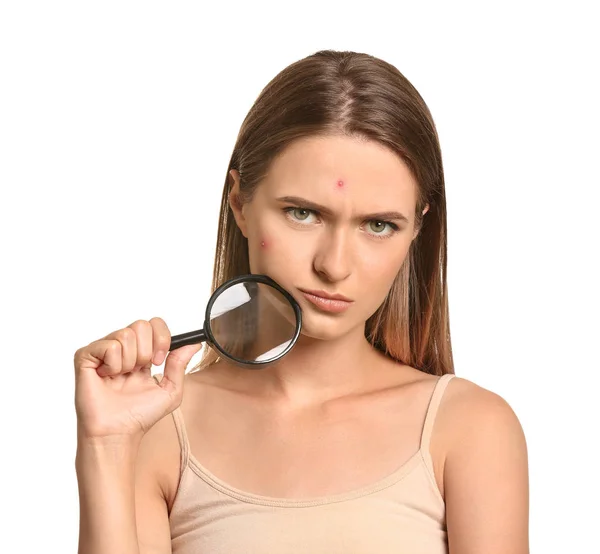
[
  {"x": 263, "y": 243},
  {"x": 340, "y": 184}
]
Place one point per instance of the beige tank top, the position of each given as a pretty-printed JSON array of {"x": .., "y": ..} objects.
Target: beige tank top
[{"x": 401, "y": 513}]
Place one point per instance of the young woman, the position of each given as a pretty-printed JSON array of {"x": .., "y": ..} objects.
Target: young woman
[{"x": 361, "y": 439}]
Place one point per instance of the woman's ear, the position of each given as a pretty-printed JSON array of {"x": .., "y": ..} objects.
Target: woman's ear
[
  {"x": 418, "y": 229},
  {"x": 234, "y": 201}
]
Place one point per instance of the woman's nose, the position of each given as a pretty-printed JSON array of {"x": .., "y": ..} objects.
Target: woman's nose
[{"x": 333, "y": 258}]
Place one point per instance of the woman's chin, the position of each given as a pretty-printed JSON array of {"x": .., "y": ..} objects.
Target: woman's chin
[{"x": 323, "y": 331}]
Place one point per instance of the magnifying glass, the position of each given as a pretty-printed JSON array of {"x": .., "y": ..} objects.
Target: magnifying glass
[{"x": 250, "y": 319}]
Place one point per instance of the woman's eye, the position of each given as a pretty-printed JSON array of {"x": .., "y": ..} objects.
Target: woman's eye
[
  {"x": 301, "y": 213},
  {"x": 298, "y": 214},
  {"x": 379, "y": 227}
]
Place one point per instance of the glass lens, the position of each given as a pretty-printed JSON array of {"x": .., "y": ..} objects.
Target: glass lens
[{"x": 252, "y": 322}]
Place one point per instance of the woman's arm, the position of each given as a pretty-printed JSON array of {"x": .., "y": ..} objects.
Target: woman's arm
[
  {"x": 486, "y": 479},
  {"x": 123, "y": 506},
  {"x": 105, "y": 476},
  {"x": 119, "y": 408}
]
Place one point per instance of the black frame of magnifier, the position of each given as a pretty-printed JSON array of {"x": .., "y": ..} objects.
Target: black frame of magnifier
[{"x": 205, "y": 334}]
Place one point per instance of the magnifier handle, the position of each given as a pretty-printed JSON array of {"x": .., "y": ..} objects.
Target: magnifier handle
[{"x": 193, "y": 337}]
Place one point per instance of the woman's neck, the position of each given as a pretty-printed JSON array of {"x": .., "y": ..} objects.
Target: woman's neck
[{"x": 314, "y": 371}]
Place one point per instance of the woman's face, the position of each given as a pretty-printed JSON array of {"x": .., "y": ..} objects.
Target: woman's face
[{"x": 312, "y": 225}]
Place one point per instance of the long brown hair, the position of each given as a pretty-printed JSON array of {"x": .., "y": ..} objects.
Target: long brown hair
[{"x": 358, "y": 95}]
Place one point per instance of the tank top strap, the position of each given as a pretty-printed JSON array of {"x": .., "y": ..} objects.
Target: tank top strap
[
  {"x": 182, "y": 437},
  {"x": 432, "y": 409}
]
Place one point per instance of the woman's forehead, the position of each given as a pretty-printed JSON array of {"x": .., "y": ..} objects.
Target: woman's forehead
[
  {"x": 327, "y": 178},
  {"x": 341, "y": 163}
]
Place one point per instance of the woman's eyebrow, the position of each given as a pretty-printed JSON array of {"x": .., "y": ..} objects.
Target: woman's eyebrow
[{"x": 326, "y": 211}]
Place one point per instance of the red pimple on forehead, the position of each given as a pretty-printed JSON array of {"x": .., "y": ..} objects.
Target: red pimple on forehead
[
  {"x": 340, "y": 184},
  {"x": 263, "y": 243}
]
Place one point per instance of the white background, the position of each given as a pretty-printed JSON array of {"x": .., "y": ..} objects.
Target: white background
[{"x": 117, "y": 121}]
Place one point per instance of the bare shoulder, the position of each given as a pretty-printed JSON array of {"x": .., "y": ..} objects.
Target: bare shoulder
[
  {"x": 470, "y": 411},
  {"x": 475, "y": 421},
  {"x": 485, "y": 471}
]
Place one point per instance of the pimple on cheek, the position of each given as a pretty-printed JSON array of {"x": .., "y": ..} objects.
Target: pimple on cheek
[
  {"x": 340, "y": 185},
  {"x": 263, "y": 243}
]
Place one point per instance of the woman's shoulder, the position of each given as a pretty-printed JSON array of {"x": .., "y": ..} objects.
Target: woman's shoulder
[
  {"x": 464, "y": 398},
  {"x": 461, "y": 398},
  {"x": 466, "y": 404},
  {"x": 472, "y": 418},
  {"x": 486, "y": 463}
]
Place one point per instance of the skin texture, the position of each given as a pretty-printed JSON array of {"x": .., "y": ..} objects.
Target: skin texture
[{"x": 333, "y": 397}]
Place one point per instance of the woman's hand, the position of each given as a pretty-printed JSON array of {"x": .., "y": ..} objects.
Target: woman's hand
[{"x": 116, "y": 397}]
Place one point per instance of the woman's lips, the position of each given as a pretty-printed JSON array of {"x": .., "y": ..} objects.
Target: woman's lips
[{"x": 327, "y": 304}]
